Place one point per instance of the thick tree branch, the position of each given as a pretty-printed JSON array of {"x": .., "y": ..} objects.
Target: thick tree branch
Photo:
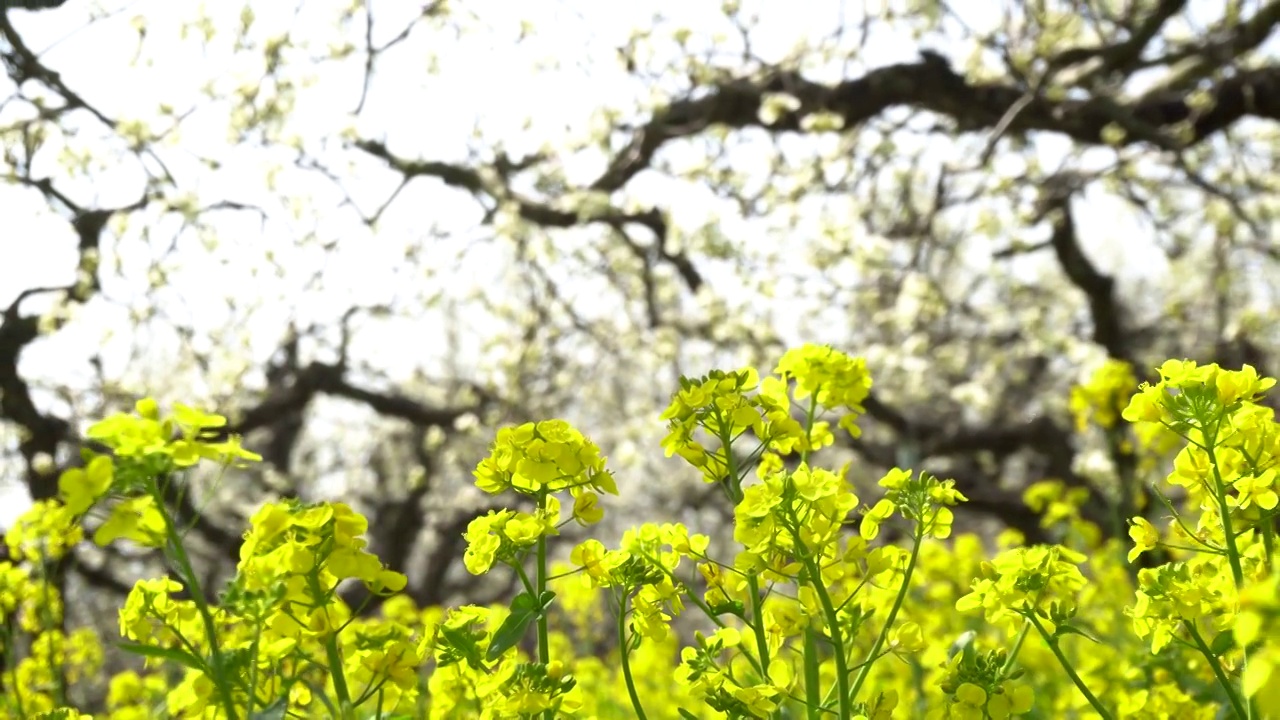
[
  {"x": 932, "y": 86},
  {"x": 1047, "y": 441},
  {"x": 1104, "y": 308},
  {"x": 22, "y": 65},
  {"x": 986, "y": 498},
  {"x": 324, "y": 378},
  {"x": 43, "y": 434}
]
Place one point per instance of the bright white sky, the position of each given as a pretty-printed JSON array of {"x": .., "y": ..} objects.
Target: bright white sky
[{"x": 482, "y": 75}]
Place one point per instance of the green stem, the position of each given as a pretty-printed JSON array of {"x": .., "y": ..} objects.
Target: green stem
[
  {"x": 808, "y": 425},
  {"x": 544, "y": 642},
  {"x": 753, "y": 583},
  {"x": 337, "y": 673},
  {"x": 837, "y": 640},
  {"x": 1017, "y": 648},
  {"x": 1236, "y": 702},
  {"x": 730, "y": 463},
  {"x": 811, "y": 676},
  {"x": 544, "y": 648},
  {"x": 1067, "y": 666},
  {"x": 333, "y": 654},
  {"x": 1268, "y": 540},
  {"x": 1224, "y": 510},
  {"x": 179, "y": 554},
  {"x": 757, "y": 625},
  {"x": 254, "y": 648},
  {"x": 624, "y": 650},
  {"x": 918, "y": 540},
  {"x": 701, "y": 605},
  {"x": 1229, "y": 538}
]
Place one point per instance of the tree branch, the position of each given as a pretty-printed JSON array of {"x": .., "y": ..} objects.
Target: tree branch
[{"x": 932, "y": 86}]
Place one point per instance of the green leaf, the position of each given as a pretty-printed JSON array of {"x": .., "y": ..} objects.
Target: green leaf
[
  {"x": 734, "y": 607},
  {"x": 318, "y": 693},
  {"x": 1072, "y": 629},
  {"x": 686, "y": 714},
  {"x": 1224, "y": 642},
  {"x": 274, "y": 711},
  {"x": 524, "y": 610},
  {"x": 182, "y": 657},
  {"x": 461, "y": 644},
  {"x": 633, "y": 643},
  {"x": 523, "y": 602}
]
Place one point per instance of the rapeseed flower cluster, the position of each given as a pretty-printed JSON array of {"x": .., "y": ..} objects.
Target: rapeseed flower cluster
[
  {"x": 1223, "y": 534},
  {"x": 1104, "y": 396},
  {"x": 814, "y": 616},
  {"x": 1098, "y": 405}
]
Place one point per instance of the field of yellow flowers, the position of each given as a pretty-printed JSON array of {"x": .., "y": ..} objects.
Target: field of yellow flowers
[{"x": 812, "y": 618}]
